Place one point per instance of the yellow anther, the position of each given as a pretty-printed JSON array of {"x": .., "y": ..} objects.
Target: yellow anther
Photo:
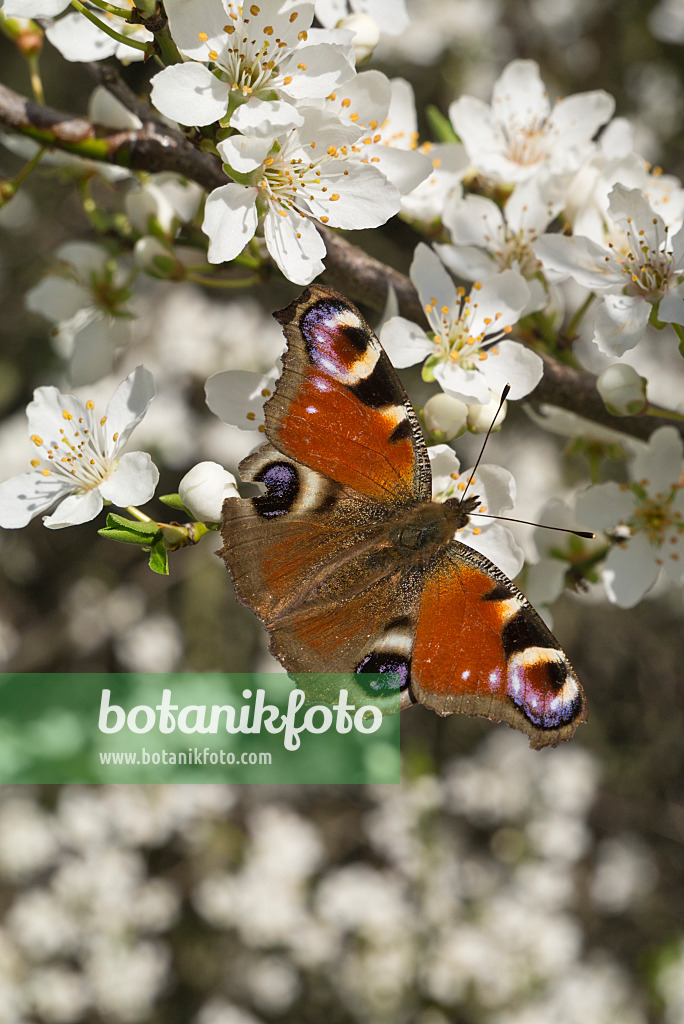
[
  {"x": 36, "y": 440},
  {"x": 66, "y": 414}
]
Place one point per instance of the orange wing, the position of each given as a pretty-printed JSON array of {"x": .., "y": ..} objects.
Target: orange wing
[
  {"x": 339, "y": 406},
  {"x": 481, "y": 649}
]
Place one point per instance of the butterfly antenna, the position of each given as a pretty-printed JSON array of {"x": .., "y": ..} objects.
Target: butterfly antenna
[
  {"x": 504, "y": 395},
  {"x": 526, "y": 522}
]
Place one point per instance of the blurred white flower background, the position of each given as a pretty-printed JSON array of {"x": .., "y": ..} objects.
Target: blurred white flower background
[{"x": 496, "y": 885}]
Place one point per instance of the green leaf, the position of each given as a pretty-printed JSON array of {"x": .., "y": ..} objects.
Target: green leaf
[
  {"x": 440, "y": 126},
  {"x": 129, "y": 531},
  {"x": 159, "y": 557},
  {"x": 174, "y": 501}
]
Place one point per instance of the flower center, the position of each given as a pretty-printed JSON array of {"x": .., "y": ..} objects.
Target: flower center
[
  {"x": 79, "y": 455},
  {"x": 657, "y": 517},
  {"x": 648, "y": 269}
]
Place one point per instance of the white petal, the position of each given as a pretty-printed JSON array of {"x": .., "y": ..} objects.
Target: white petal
[
  {"x": 467, "y": 261},
  {"x": 620, "y": 323},
  {"x": 474, "y": 220},
  {"x": 500, "y": 299},
  {"x": 477, "y": 130},
  {"x": 444, "y": 464},
  {"x": 74, "y": 510},
  {"x": 434, "y": 286},
  {"x": 23, "y": 497},
  {"x": 545, "y": 581},
  {"x": 57, "y": 298},
  {"x": 187, "y": 18},
  {"x": 405, "y": 168},
  {"x": 580, "y": 258},
  {"x": 325, "y": 69},
  {"x": 265, "y": 119},
  {"x": 34, "y": 8},
  {"x": 671, "y": 307},
  {"x": 127, "y": 406},
  {"x": 77, "y": 39},
  {"x": 513, "y": 364},
  {"x": 295, "y": 245},
  {"x": 404, "y": 342},
  {"x": 190, "y": 94},
  {"x": 103, "y": 108},
  {"x": 498, "y": 544},
  {"x": 238, "y": 396},
  {"x": 495, "y": 487},
  {"x": 94, "y": 346},
  {"x": 519, "y": 95},
  {"x": 86, "y": 258},
  {"x": 659, "y": 467},
  {"x": 133, "y": 482},
  {"x": 366, "y": 199},
  {"x": 630, "y": 204},
  {"x": 49, "y": 411},
  {"x": 630, "y": 570},
  {"x": 578, "y": 118},
  {"x": 468, "y": 385},
  {"x": 604, "y": 506},
  {"x": 244, "y": 153},
  {"x": 230, "y": 220}
]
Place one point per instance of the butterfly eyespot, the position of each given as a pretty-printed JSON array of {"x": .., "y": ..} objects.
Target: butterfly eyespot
[
  {"x": 395, "y": 668},
  {"x": 282, "y": 487}
]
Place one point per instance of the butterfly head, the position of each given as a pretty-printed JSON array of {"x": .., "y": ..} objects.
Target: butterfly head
[{"x": 459, "y": 510}]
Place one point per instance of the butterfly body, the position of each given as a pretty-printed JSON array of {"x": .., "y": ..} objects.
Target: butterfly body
[{"x": 353, "y": 567}]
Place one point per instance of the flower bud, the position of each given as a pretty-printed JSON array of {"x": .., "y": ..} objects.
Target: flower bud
[
  {"x": 366, "y": 34},
  {"x": 157, "y": 260},
  {"x": 480, "y": 416},
  {"x": 444, "y": 417},
  {"x": 623, "y": 391},
  {"x": 204, "y": 488}
]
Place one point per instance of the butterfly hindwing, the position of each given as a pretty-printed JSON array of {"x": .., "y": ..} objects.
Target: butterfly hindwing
[
  {"x": 339, "y": 406},
  {"x": 481, "y": 649}
]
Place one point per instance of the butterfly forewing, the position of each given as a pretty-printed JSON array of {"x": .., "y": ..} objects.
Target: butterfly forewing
[{"x": 339, "y": 406}]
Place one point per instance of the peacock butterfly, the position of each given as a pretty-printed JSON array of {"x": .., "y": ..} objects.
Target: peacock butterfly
[{"x": 352, "y": 567}]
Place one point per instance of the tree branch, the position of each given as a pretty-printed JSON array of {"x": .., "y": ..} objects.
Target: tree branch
[
  {"x": 157, "y": 147},
  {"x": 146, "y": 149}
]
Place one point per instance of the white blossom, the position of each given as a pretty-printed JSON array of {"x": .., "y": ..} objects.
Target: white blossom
[
  {"x": 302, "y": 178},
  {"x": 266, "y": 60},
  {"x": 645, "y": 517},
  {"x": 466, "y": 352},
  {"x": 637, "y": 270},
  {"x": 521, "y": 132},
  {"x": 78, "y": 459}
]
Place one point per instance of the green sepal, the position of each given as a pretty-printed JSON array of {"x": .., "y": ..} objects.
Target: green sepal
[
  {"x": 427, "y": 373},
  {"x": 174, "y": 501},
  {"x": 440, "y": 126}
]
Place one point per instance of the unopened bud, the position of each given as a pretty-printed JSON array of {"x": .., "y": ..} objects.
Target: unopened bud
[
  {"x": 444, "y": 417},
  {"x": 366, "y": 34},
  {"x": 157, "y": 260},
  {"x": 480, "y": 416},
  {"x": 623, "y": 391},
  {"x": 204, "y": 488}
]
